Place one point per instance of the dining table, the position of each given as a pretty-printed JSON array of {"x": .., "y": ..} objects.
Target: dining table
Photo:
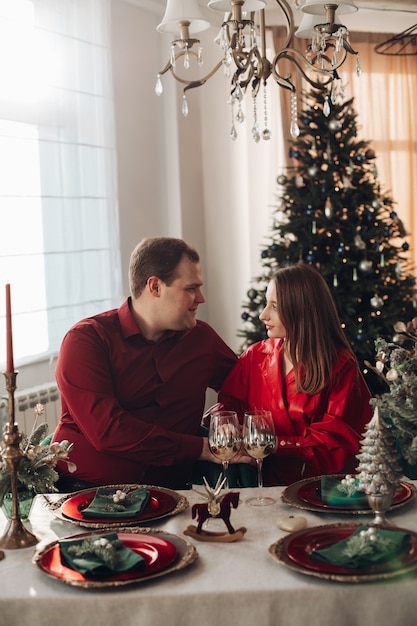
[{"x": 222, "y": 583}]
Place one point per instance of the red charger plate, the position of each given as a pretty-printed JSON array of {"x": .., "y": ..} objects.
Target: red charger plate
[
  {"x": 301, "y": 547},
  {"x": 310, "y": 493},
  {"x": 295, "y": 551},
  {"x": 160, "y": 503},
  {"x": 305, "y": 494},
  {"x": 158, "y": 554}
]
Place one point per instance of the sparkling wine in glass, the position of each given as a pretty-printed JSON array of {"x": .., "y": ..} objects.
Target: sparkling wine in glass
[
  {"x": 259, "y": 440},
  {"x": 224, "y": 438}
]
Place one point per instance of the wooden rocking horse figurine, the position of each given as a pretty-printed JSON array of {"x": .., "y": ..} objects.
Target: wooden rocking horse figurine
[{"x": 217, "y": 506}]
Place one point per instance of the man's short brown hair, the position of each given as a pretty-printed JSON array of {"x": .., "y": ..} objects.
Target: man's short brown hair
[{"x": 157, "y": 256}]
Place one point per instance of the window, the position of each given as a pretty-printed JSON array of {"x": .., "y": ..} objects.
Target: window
[{"x": 59, "y": 236}]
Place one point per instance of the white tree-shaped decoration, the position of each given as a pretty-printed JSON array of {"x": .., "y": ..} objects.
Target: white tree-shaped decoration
[{"x": 379, "y": 470}]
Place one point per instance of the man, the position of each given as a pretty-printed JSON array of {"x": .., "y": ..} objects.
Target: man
[{"x": 133, "y": 380}]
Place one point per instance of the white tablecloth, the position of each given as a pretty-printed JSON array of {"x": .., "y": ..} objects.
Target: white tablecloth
[{"x": 229, "y": 583}]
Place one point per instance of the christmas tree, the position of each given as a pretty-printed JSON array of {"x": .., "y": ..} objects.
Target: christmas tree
[{"x": 333, "y": 215}]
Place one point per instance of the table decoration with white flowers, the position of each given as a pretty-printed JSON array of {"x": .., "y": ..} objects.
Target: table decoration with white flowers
[{"x": 36, "y": 473}]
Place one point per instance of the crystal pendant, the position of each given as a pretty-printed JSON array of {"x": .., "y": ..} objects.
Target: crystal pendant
[
  {"x": 294, "y": 128},
  {"x": 224, "y": 41},
  {"x": 354, "y": 275},
  {"x": 159, "y": 89},
  {"x": 184, "y": 106},
  {"x": 256, "y": 132},
  {"x": 240, "y": 116},
  {"x": 335, "y": 280},
  {"x": 173, "y": 59},
  {"x": 233, "y": 133},
  {"x": 266, "y": 133},
  {"x": 186, "y": 60},
  {"x": 326, "y": 107},
  {"x": 238, "y": 94},
  {"x": 358, "y": 67},
  {"x": 200, "y": 56}
]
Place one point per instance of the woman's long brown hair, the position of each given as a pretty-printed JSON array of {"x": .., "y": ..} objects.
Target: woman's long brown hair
[{"x": 314, "y": 335}]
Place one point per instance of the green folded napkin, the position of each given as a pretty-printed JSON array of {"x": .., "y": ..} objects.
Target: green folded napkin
[
  {"x": 116, "y": 503},
  {"x": 337, "y": 493},
  {"x": 366, "y": 547},
  {"x": 100, "y": 556}
]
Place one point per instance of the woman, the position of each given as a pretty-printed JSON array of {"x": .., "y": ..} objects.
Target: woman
[{"x": 306, "y": 374}]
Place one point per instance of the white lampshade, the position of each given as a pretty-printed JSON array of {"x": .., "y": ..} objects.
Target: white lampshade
[
  {"x": 307, "y": 24},
  {"x": 226, "y": 5},
  {"x": 316, "y": 7},
  {"x": 181, "y": 10}
]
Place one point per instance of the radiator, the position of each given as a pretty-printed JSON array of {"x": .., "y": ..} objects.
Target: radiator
[{"x": 25, "y": 401}]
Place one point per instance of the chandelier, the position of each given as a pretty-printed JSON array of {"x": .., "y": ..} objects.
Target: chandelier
[{"x": 242, "y": 41}]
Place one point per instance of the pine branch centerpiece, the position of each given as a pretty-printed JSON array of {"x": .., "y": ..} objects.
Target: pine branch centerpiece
[
  {"x": 396, "y": 365},
  {"x": 379, "y": 470},
  {"x": 36, "y": 471}
]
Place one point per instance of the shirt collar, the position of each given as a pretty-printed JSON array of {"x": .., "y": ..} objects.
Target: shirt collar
[
  {"x": 127, "y": 321},
  {"x": 129, "y": 326}
]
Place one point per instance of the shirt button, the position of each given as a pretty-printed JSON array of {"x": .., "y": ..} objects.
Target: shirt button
[{"x": 282, "y": 443}]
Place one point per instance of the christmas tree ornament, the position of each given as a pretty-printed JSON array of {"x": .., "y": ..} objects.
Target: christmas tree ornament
[
  {"x": 312, "y": 171},
  {"x": 359, "y": 242},
  {"x": 376, "y": 302},
  {"x": 334, "y": 125},
  {"x": 365, "y": 265},
  {"x": 326, "y": 107},
  {"x": 328, "y": 207},
  {"x": 379, "y": 470}
]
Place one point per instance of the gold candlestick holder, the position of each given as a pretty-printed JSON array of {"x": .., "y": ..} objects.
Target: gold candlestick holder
[{"x": 16, "y": 535}]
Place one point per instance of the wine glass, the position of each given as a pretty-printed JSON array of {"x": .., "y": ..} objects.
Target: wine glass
[
  {"x": 224, "y": 438},
  {"x": 259, "y": 441}
]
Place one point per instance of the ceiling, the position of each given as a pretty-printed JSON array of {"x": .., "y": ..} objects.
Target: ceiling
[
  {"x": 378, "y": 16},
  {"x": 388, "y": 5}
]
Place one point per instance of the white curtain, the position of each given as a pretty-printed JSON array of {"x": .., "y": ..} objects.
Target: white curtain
[{"x": 58, "y": 199}]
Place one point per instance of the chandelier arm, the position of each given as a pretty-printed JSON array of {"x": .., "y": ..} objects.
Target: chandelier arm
[
  {"x": 348, "y": 48},
  {"x": 298, "y": 59},
  {"x": 190, "y": 83},
  {"x": 287, "y": 11}
]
